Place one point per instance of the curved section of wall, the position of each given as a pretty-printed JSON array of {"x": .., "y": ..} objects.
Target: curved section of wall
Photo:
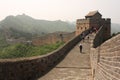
[
  {"x": 106, "y": 60},
  {"x": 34, "y": 67}
]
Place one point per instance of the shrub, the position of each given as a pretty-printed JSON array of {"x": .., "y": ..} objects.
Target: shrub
[{"x": 22, "y": 50}]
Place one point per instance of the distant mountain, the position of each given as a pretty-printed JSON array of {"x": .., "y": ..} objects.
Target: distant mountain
[
  {"x": 22, "y": 25},
  {"x": 26, "y": 26},
  {"x": 115, "y": 28}
]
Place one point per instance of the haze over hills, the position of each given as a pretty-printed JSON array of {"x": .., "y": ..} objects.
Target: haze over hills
[
  {"x": 26, "y": 26},
  {"x": 21, "y": 25},
  {"x": 115, "y": 28}
]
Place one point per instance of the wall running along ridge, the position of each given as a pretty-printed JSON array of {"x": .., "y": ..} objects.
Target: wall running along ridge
[{"x": 33, "y": 67}]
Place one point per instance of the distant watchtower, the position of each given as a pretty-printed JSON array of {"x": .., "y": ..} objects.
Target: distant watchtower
[{"x": 94, "y": 19}]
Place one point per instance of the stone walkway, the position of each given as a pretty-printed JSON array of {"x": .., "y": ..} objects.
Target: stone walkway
[{"x": 75, "y": 66}]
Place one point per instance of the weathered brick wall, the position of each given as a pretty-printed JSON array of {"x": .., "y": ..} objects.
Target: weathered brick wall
[
  {"x": 34, "y": 67},
  {"x": 52, "y": 38},
  {"x": 105, "y": 60},
  {"x": 82, "y": 25}
]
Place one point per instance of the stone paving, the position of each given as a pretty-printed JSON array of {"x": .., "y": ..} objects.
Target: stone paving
[{"x": 75, "y": 66}]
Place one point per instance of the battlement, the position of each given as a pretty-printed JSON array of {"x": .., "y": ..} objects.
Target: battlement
[
  {"x": 106, "y": 20},
  {"x": 94, "y": 20},
  {"x": 80, "y": 21}
]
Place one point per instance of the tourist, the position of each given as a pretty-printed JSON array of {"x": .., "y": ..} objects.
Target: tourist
[{"x": 80, "y": 46}]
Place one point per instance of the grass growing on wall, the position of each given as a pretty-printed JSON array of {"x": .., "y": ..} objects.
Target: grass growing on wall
[{"x": 22, "y": 50}]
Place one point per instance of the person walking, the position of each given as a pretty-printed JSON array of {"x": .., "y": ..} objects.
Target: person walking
[{"x": 80, "y": 46}]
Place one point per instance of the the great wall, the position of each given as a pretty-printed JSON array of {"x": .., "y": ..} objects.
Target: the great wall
[
  {"x": 105, "y": 60},
  {"x": 99, "y": 61}
]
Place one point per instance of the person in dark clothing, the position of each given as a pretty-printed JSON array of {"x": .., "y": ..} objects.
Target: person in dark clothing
[
  {"x": 88, "y": 37},
  {"x": 80, "y": 46},
  {"x": 83, "y": 39}
]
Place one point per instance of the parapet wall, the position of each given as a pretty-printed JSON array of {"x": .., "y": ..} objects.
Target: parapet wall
[
  {"x": 105, "y": 60},
  {"x": 100, "y": 36},
  {"x": 34, "y": 67},
  {"x": 98, "y": 40}
]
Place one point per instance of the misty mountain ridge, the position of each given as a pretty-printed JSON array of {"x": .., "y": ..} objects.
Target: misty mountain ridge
[
  {"x": 115, "y": 27},
  {"x": 26, "y": 24}
]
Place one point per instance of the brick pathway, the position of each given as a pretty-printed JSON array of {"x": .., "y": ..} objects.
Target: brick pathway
[{"x": 75, "y": 66}]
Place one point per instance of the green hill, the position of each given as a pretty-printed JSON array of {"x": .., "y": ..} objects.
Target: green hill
[
  {"x": 26, "y": 24},
  {"x": 3, "y": 42}
]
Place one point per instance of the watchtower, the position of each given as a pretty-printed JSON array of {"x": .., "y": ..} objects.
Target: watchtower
[{"x": 94, "y": 19}]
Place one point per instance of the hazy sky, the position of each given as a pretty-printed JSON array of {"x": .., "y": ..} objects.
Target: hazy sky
[{"x": 67, "y": 10}]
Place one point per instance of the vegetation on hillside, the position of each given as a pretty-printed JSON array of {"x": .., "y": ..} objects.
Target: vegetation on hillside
[
  {"x": 23, "y": 50},
  {"x": 24, "y": 24},
  {"x": 3, "y": 42}
]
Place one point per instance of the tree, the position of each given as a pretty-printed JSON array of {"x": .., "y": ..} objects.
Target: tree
[{"x": 61, "y": 36}]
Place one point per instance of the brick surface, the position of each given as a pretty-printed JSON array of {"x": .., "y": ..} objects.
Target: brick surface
[{"x": 109, "y": 60}]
